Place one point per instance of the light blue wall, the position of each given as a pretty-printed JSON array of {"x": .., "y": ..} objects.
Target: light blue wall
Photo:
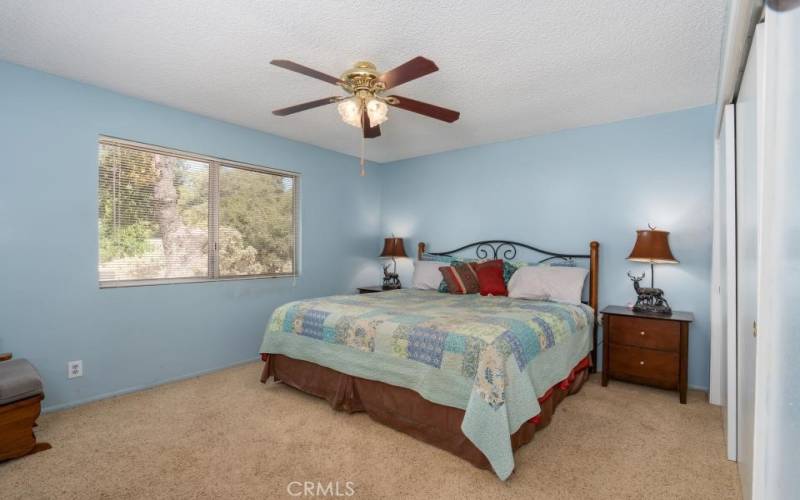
[
  {"x": 562, "y": 190},
  {"x": 51, "y": 309},
  {"x": 558, "y": 190}
]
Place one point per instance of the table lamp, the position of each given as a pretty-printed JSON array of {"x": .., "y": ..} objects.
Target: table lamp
[
  {"x": 652, "y": 247},
  {"x": 392, "y": 248}
]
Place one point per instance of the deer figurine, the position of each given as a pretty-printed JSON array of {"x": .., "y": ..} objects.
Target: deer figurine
[
  {"x": 390, "y": 280},
  {"x": 649, "y": 300}
]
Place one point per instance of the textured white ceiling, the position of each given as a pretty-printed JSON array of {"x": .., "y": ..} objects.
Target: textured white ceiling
[{"x": 513, "y": 68}]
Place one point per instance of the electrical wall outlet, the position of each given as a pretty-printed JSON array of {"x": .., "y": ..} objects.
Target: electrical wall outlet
[{"x": 74, "y": 369}]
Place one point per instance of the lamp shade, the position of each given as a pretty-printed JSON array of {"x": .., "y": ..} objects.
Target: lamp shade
[
  {"x": 652, "y": 246},
  {"x": 393, "y": 247}
]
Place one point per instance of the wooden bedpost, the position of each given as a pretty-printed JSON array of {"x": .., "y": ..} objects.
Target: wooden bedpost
[
  {"x": 420, "y": 250},
  {"x": 594, "y": 270}
]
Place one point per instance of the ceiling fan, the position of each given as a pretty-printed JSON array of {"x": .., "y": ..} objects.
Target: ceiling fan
[{"x": 366, "y": 106}]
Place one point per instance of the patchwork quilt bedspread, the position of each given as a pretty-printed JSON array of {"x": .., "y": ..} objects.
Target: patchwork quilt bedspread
[{"x": 491, "y": 356}]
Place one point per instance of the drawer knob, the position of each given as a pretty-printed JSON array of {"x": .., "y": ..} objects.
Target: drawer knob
[
  {"x": 641, "y": 333},
  {"x": 641, "y": 363}
]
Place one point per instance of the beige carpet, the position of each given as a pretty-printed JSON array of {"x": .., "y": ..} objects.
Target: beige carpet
[{"x": 225, "y": 435}]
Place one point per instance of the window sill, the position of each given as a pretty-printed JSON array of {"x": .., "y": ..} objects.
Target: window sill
[{"x": 182, "y": 281}]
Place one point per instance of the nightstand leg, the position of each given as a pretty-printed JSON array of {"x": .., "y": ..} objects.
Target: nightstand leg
[{"x": 683, "y": 379}]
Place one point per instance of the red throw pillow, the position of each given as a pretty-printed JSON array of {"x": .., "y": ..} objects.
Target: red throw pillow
[{"x": 490, "y": 278}]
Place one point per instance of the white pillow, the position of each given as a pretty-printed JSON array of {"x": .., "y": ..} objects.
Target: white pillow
[
  {"x": 427, "y": 275},
  {"x": 559, "y": 284}
]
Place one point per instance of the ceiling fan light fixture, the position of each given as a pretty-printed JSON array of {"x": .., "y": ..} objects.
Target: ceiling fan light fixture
[
  {"x": 350, "y": 111},
  {"x": 366, "y": 107},
  {"x": 377, "y": 111}
]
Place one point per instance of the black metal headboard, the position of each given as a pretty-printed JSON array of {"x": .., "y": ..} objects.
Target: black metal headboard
[{"x": 507, "y": 249}]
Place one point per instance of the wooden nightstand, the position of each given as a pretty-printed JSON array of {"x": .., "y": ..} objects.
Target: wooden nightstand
[
  {"x": 646, "y": 348},
  {"x": 370, "y": 289}
]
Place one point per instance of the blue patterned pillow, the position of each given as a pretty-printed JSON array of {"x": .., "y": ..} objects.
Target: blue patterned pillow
[
  {"x": 510, "y": 267},
  {"x": 438, "y": 258},
  {"x": 556, "y": 262}
]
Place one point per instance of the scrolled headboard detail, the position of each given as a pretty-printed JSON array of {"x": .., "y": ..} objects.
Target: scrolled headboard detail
[{"x": 506, "y": 249}]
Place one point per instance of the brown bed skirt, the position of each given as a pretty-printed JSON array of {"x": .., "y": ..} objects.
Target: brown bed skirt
[{"x": 405, "y": 410}]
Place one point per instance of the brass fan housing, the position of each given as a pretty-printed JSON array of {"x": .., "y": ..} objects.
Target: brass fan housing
[{"x": 363, "y": 77}]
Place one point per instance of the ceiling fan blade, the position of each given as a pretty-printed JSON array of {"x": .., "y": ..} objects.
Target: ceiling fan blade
[
  {"x": 369, "y": 132},
  {"x": 304, "y": 70},
  {"x": 423, "y": 108},
  {"x": 304, "y": 106},
  {"x": 411, "y": 70}
]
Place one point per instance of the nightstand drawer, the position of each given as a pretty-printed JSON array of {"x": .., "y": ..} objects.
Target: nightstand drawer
[
  {"x": 644, "y": 332},
  {"x": 647, "y": 366}
]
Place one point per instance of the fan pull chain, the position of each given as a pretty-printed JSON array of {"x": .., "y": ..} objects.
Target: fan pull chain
[{"x": 363, "y": 172}]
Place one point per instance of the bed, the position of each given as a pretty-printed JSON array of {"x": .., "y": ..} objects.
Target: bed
[{"x": 476, "y": 376}]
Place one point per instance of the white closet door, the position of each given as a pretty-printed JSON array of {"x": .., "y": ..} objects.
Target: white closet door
[
  {"x": 749, "y": 128},
  {"x": 776, "y": 474},
  {"x": 727, "y": 274}
]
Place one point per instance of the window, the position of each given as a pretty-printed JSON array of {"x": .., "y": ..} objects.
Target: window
[{"x": 167, "y": 216}]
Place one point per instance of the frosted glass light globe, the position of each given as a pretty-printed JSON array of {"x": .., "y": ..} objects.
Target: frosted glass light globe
[
  {"x": 377, "y": 111},
  {"x": 350, "y": 111}
]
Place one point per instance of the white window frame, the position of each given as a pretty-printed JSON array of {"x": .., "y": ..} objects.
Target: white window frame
[{"x": 214, "y": 165}]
